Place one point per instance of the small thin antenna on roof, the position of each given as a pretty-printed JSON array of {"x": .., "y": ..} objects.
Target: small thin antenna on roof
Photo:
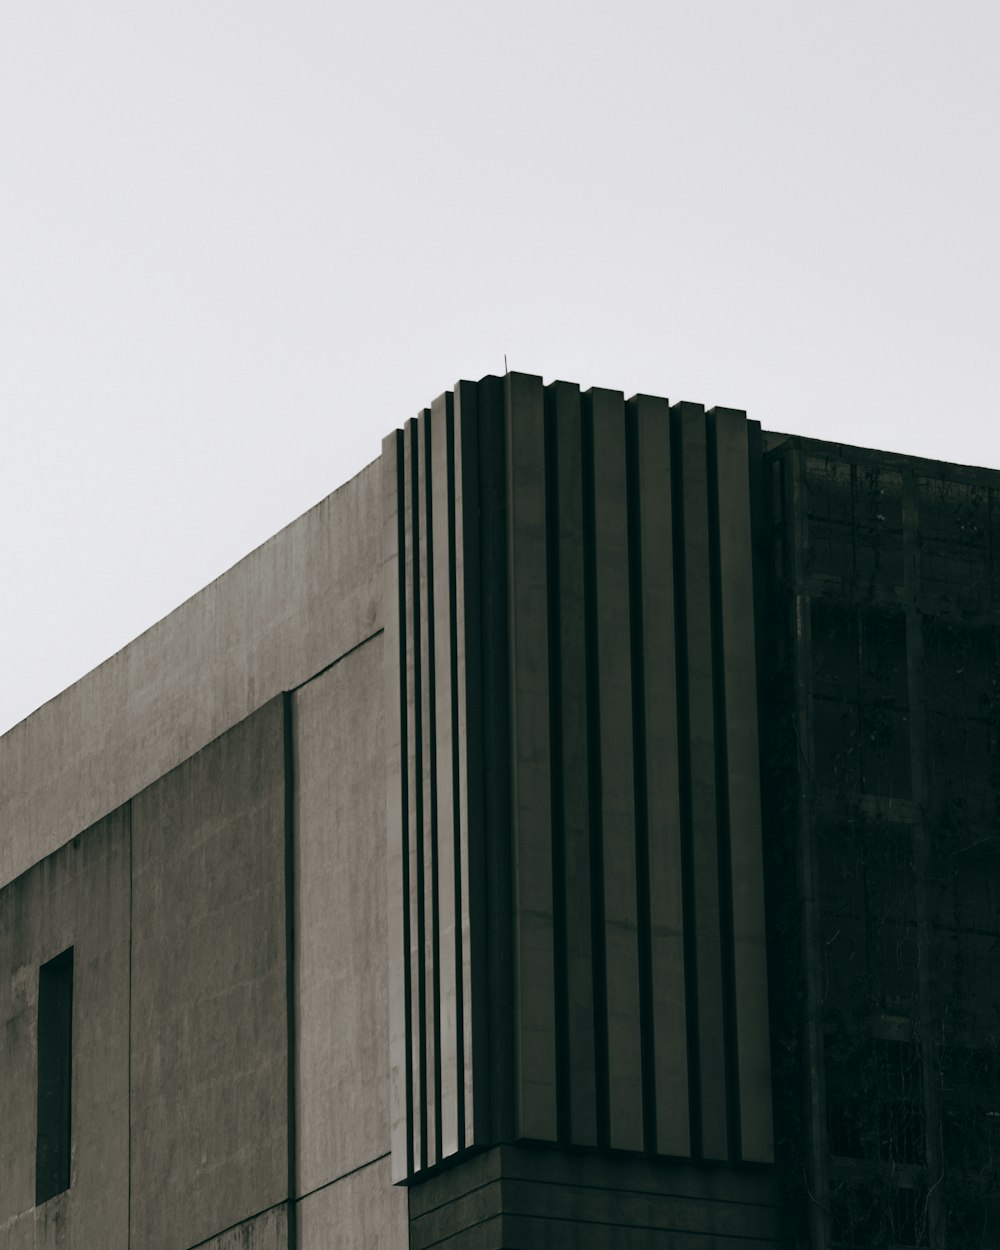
[{"x": 505, "y": 369}]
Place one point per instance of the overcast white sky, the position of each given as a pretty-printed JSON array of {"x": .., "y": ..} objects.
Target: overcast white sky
[{"x": 239, "y": 242}]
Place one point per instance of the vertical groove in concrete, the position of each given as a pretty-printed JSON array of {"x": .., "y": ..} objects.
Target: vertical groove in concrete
[
  {"x": 577, "y": 1056},
  {"x": 748, "y": 958},
  {"x": 558, "y": 823},
  {"x": 665, "y": 955},
  {"x": 431, "y": 956},
  {"x": 128, "y": 818},
  {"x": 722, "y": 794},
  {"x": 467, "y": 631},
  {"x": 459, "y": 804},
  {"x": 641, "y": 781},
  {"x": 438, "y": 1004},
  {"x": 397, "y": 817},
  {"x": 594, "y": 779},
  {"x": 614, "y": 676},
  {"x": 448, "y": 944},
  {"x": 684, "y": 785},
  {"x": 494, "y": 762},
  {"x": 418, "y": 1054},
  {"x": 290, "y": 1033},
  {"x": 534, "y": 992},
  {"x": 689, "y": 420}
]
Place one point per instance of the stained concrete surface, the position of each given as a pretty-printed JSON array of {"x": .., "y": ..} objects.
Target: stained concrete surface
[
  {"x": 267, "y": 1231},
  {"x": 341, "y": 955},
  {"x": 209, "y": 1133}
]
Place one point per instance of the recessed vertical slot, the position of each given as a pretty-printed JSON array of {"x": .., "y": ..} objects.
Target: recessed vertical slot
[{"x": 55, "y": 1073}]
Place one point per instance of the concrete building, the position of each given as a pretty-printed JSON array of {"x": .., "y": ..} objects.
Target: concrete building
[{"x": 580, "y": 829}]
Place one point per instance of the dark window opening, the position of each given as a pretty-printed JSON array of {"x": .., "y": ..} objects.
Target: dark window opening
[{"x": 55, "y": 1071}]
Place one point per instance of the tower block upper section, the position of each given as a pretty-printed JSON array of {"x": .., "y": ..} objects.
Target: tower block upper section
[{"x": 577, "y": 950}]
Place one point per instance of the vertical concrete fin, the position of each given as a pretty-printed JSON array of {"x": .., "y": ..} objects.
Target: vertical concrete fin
[
  {"x": 527, "y": 588},
  {"x": 575, "y": 860},
  {"x": 706, "y": 1049},
  {"x": 467, "y": 697},
  {"x": 578, "y": 1087},
  {"x": 494, "y": 762},
  {"x": 428, "y": 738},
  {"x": 414, "y": 765},
  {"x": 668, "y": 1023},
  {"x": 441, "y": 515},
  {"x": 735, "y": 621},
  {"x": 614, "y": 678},
  {"x": 397, "y": 817}
]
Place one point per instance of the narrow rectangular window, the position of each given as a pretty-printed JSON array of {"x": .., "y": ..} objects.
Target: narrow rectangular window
[{"x": 55, "y": 1070}]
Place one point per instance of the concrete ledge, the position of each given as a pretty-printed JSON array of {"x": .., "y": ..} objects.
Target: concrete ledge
[{"x": 517, "y": 1197}]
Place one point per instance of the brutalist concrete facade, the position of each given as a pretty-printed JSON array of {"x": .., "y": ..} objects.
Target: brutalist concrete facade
[{"x": 579, "y": 829}]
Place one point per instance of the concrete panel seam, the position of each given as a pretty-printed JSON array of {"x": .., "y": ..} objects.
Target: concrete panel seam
[
  {"x": 473, "y": 1189},
  {"x": 275, "y": 1206},
  {"x": 128, "y": 818},
  {"x": 333, "y": 663},
  {"x": 684, "y": 778},
  {"x": 640, "y": 801},
  {"x": 288, "y": 747},
  {"x": 556, "y": 791},
  {"x": 442, "y": 1241},
  {"x": 723, "y": 831},
  {"x": 594, "y": 786},
  {"x": 709, "y": 1237},
  {"x": 343, "y": 1176}
]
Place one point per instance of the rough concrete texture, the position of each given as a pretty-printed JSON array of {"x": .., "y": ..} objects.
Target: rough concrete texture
[
  {"x": 341, "y": 956},
  {"x": 209, "y": 1018},
  {"x": 287, "y": 610},
  {"x": 363, "y": 1209},
  {"x": 78, "y": 897}
]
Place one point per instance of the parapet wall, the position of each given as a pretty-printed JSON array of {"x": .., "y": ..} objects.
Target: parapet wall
[{"x": 289, "y": 609}]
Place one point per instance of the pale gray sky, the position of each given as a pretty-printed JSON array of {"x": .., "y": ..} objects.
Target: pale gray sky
[{"x": 239, "y": 242}]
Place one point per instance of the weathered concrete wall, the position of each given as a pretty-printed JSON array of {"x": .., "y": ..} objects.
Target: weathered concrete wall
[
  {"x": 78, "y": 897},
  {"x": 209, "y": 1036},
  {"x": 291, "y": 607},
  {"x": 341, "y": 958},
  {"x": 363, "y": 1209}
]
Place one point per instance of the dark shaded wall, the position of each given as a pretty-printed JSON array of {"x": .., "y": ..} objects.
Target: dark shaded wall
[
  {"x": 575, "y": 870},
  {"x": 885, "y": 754}
]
